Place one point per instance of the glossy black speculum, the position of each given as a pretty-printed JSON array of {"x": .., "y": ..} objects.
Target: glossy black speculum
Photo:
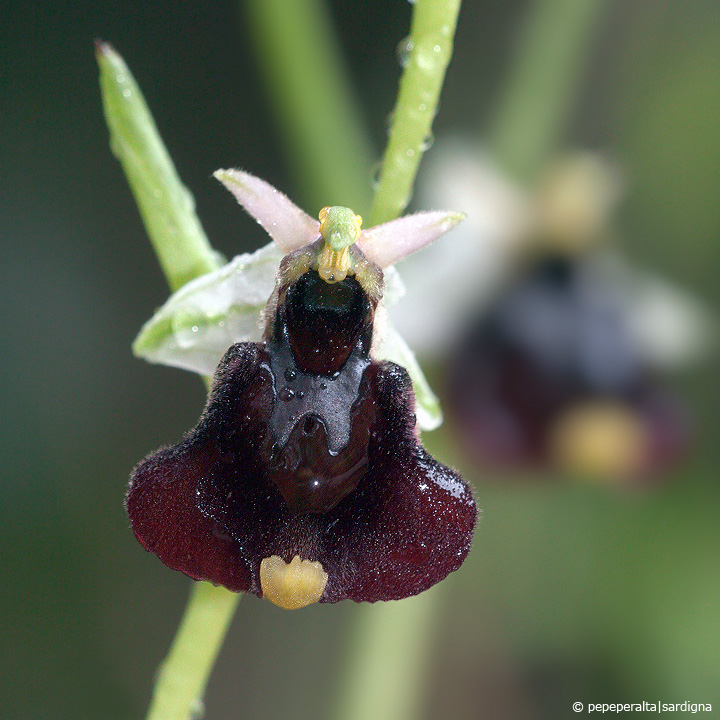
[
  {"x": 307, "y": 447},
  {"x": 318, "y": 426}
]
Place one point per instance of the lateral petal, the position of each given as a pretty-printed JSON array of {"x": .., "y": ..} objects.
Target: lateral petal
[
  {"x": 392, "y": 241},
  {"x": 288, "y": 225}
]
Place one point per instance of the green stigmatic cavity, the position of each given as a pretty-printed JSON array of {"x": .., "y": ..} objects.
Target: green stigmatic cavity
[{"x": 340, "y": 227}]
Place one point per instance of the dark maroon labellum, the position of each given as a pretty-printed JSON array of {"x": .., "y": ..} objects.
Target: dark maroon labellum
[{"x": 307, "y": 448}]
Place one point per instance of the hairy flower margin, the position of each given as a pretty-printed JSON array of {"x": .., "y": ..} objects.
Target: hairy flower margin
[{"x": 304, "y": 479}]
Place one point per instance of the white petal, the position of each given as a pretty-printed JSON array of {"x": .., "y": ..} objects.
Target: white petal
[
  {"x": 668, "y": 325},
  {"x": 288, "y": 225},
  {"x": 394, "y": 286},
  {"x": 389, "y": 345},
  {"x": 199, "y": 322},
  {"x": 672, "y": 327},
  {"x": 392, "y": 241}
]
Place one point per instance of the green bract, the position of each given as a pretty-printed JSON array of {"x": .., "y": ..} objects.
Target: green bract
[{"x": 166, "y": 205}]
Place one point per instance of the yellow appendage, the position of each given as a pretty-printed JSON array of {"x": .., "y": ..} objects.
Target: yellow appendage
[{"x": 294, "y": 585}]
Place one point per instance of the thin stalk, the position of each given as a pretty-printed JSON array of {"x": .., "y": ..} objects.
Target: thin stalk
[
  {"x": 427, "y": 52},
  {"x": 327, "y": 143},
  {"x": 544, "y": 78},
  {"x": 391, "y": 645},
  {"x": 181, "y": 682},
  {"x": 390, "y": 652}
]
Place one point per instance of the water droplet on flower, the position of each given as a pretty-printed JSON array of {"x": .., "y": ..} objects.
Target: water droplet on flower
[
  {"x": 404, "y": 50},
  {"x": 427, "y": 142},
  {"x": 286, "y": 394},
  {"x": 410, "y": 152},
  {"x": 126, "y": 93},
  {"x": 185, "y": 329},
  {"x": 120, "y": 78},
  {"x": 290, "y": 375}
]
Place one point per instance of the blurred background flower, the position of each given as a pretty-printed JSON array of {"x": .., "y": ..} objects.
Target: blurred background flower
[
  {"x": 570, "y": 594},
  {"x": 556, "y": 352}
]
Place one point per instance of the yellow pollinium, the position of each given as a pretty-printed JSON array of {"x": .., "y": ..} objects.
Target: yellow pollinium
[
  {"x": 600, "y": 439},
  {"x": 340, "y": 228},
  {"x": 294, "y": 585}
]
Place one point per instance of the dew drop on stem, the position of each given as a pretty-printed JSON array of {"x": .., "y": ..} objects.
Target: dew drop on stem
[{"x": 404, "y": 50}]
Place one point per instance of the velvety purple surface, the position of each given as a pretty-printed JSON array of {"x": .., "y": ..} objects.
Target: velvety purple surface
[{"x": 332, "y": 472}]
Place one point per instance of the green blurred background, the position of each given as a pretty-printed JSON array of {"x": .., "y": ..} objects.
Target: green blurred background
[{"x": 570, "y": 593}]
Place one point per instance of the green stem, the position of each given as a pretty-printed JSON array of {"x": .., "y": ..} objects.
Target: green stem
[
  {"x": 317, "y": 113},
  {"x": 391, "y": 642},
  {"x": 184, "y": 674},
  {"x": 390, "y": 654},
  {"x": 543, "y": 83},
  {"x": 429, "y": 49},
  {"x": 166, "y": 205}
]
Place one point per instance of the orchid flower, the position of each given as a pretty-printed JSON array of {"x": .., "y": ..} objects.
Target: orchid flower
[
  {"x": 672, "y": 327},
  {"x": 304, "y": 479}
]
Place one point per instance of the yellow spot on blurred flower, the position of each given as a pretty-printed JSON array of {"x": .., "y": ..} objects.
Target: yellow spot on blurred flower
[
  {"x": 601, "y": 440},
  {"x": 574, "y": 203}
]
